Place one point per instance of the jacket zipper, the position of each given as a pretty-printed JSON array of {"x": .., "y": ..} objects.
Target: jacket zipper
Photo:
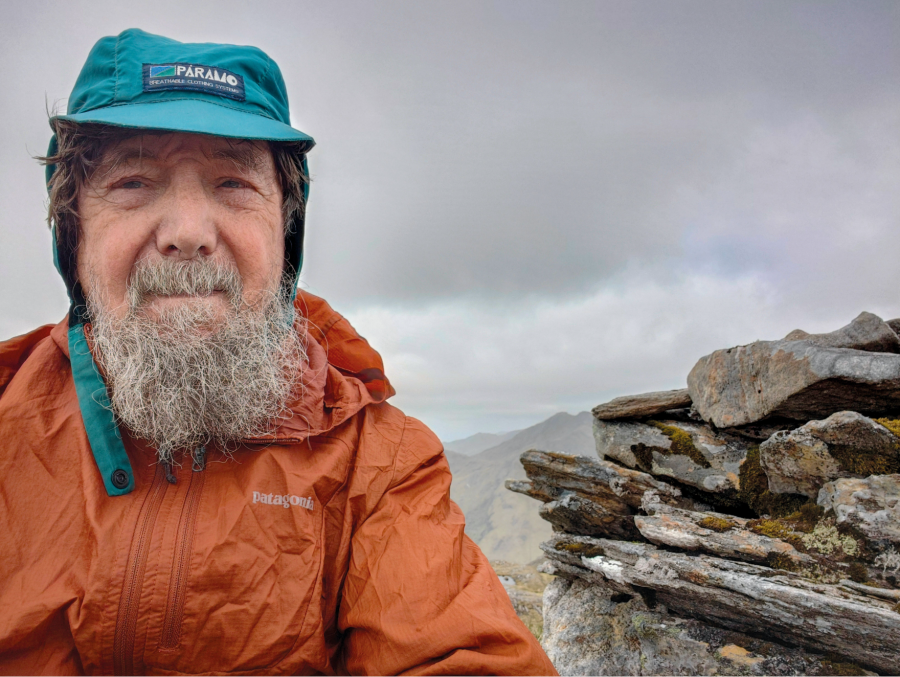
[
  {"x": 126, "y": 623},
  {"x": 171, "y": 629}
]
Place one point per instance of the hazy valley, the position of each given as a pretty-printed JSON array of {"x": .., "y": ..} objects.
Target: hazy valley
[{"x": 506, "y": 525}]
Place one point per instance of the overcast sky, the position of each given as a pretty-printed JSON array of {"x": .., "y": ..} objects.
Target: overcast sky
[{"x": 531, "y": 207}]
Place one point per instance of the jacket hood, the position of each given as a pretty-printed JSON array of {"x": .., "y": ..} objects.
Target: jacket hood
[{"x": 344, "y": 375}]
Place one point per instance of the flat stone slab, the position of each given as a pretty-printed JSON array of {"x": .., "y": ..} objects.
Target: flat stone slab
[
  {"x": 744, "y": 597},
  {"x": 714, "y": 533},
  {"x": 591, "y": 629},
  {"x": 872, "y": 505},
  {"x": 845, "y": 444},
  {"x": 641, "y": 406},
  {"x": 584, "y": 496},
  {"x": 692, "y": 453},
  {"x": 801, "y": 377}
]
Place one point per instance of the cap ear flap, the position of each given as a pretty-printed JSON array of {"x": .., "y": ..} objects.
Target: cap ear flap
[{"x": 293, "y": 243}]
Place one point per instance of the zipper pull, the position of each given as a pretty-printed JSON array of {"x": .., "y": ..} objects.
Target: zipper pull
[
  {"x": 170, "y": 476},
  {"x": 199, "y": 456}
]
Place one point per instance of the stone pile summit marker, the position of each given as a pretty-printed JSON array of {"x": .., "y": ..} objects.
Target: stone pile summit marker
[{"x": 747, "y": 524}]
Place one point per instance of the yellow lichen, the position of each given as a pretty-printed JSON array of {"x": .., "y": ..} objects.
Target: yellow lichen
[
  {"x": 897, "y": 607},
  {"x": 826, "y": 539},
  {"x": 585, "y": 549},
  {"x": 716, "y": 523},
  {"x": 682, "y": 443}
]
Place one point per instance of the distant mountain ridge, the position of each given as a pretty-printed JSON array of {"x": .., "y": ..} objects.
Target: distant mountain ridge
[
  {"x": 475, "y": 444},
  {"x": 506, "y": 525}
]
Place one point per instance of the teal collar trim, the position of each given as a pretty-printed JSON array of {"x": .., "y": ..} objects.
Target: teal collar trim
[{"x": 99, "y": 422}]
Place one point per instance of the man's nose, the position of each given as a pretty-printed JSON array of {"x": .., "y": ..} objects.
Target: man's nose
[{"x": 187, "y": 227}]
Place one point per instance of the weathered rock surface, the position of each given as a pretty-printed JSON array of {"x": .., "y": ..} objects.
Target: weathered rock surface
[
  {"x": 715, "y": 533},
  {"x": 582, "y": 495},
  {"x": 855, "y": 368},
  {"x": 867, "y": 332},
  {"x": 843, "y": 445},
  {"x": 871, "y": 505},
  {"x": 592, "y": 629},
  {"x": 639, "y": 406},
  {"x": 692, "y": 453},
  {"x": 655, "y": 580},
  {"x": 619, "y": 440},
  {"x": 744, "y": 597}
]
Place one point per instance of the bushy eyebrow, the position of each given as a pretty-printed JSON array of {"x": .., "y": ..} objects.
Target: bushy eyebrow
[
  {"x": 245, "y": 157},
  {"x": 115, "y": 157}
]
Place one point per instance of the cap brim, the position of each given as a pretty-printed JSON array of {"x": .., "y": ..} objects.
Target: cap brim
[{"x": 192, "y": 115}]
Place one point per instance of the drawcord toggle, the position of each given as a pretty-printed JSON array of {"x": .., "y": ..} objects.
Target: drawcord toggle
[
  {"x": 198, "y": 464},
  {"x": 170, "y": 476},
  {"x": 199, "y": 456}
]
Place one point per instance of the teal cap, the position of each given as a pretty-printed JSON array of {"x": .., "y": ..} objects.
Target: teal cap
[
  {"x": 137, "y": 79},
  {"x": 143, "y": 81}
]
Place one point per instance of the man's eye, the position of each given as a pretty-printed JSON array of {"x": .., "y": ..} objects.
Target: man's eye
[
  {"x": 131, "y": 185},
  {"x": 231, "y": 183}
]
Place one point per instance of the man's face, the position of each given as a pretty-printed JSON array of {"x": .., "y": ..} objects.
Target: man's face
[{"x": 181, "y": 197}]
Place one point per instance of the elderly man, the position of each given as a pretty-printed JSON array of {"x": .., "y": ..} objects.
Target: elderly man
[{"x": 200, "y": 472}]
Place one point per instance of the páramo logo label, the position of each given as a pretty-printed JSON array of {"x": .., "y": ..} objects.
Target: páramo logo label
[
  {"x": 285, "y": 501},
  {"x": 193, "y": 77}
]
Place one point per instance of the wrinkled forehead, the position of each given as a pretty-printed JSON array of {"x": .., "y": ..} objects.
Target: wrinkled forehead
[{"x": 167, "y": 148}]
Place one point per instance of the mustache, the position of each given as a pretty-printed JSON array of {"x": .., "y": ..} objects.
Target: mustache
[{"x": 197, "y": 277}]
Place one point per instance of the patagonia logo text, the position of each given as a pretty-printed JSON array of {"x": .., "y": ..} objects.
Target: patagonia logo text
[
  {"x": 193, "y": 77},
  {"x": 286, "y": 500}
]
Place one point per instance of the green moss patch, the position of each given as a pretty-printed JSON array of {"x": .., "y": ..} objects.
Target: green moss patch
[
  {"x": 584, "y": 549},
  {"x": 892, "y": 424},
  {"x": 682, "y": 444},
  {"x": 754, "y": 489},
  {"x": 772, "y": 529},
  {"x": 833, "y": 665},
  {"x": 716, "y": 524},
  {"x": 858, "y": 573},
  {"x": 778, "y": 560},
  {"x": 854, "y": 461},
  {"x": 806, "y": 518}
]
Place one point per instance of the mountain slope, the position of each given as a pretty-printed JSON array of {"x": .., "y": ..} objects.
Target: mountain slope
[
  {"x": 478, "y": 442},
  {"x": 506, "y": 525}
]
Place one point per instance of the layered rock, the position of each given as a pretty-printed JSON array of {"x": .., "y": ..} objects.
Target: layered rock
[
  {"x": 870, "y": 505},
  {"x": 594, "y": 630},
  {"x": 647, "y": 404},
  {"x": 742, "y": 597},
  {"x": 845, "y": 444},
  {"x": 691, "y": 453},
  {"x": 801, "y": 377},
  {"x": 756, "y": 532}
]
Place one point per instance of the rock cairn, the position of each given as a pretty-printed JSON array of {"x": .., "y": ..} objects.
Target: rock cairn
[{"x": 748, "y": 524}]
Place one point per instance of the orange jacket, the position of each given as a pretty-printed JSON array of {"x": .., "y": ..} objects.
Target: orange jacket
[{"x": 330, "y": 547}]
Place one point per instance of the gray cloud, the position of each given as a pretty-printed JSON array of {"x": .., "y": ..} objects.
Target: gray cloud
[{"x": 502, "y": 156}]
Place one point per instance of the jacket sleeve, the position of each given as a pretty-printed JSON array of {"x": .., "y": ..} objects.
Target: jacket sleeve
[{"x": 419, "y": 596}]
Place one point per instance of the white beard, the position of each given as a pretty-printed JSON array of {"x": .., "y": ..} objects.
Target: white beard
[{"x": 183, "y": 379}]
